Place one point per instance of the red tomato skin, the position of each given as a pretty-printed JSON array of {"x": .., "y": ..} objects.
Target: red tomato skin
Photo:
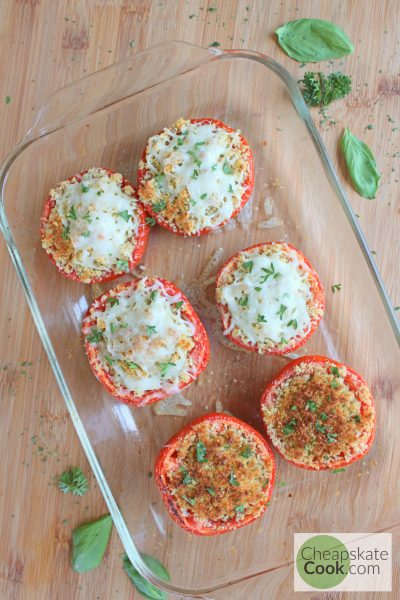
[
  {"x": 200, "y": 353},
  {"x": 319, "y": 297},
  {"x": 138, "y": 251},
  {"x": 287, "y": 370},
  {"x": 249, "y": 183},
  {"x": 168, "y": 449}
]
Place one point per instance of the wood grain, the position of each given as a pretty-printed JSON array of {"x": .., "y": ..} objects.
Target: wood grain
[{"x": 45, "y": 45}]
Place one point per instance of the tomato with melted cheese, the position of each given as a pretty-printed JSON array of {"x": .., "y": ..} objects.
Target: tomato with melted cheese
[
  {"x": 215, "y": 475},
  {"x": 319, "y": 414},
  {"x": 93, "y": 227},
  {"x": 144, "y": 341},
  {"x": 270, "y": 298},
  {"x": 195, "y": 175}
]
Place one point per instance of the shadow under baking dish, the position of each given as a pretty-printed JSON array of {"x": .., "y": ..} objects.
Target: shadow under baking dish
[{"x": 105, "y": 120}]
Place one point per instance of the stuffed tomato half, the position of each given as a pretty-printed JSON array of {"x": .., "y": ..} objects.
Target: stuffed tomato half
[
  {"x": 195, "y": 175},
  {"x": 93, "y": 227},
  {"x": 215, "y": 475},
  {"x": 319, "y": 414},
  {"x": 144, "y": 341},
  {"x": 270, "y": 298}
]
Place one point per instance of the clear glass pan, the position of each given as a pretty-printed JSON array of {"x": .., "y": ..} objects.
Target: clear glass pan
[{"x": 105, "y": 120}]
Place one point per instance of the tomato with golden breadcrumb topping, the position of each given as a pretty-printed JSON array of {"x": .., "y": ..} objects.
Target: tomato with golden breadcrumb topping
[
  {"x": 93, "y": 226},
  {"x": 319, "y": 413},
  {"x": 195, "y": 175},
  {"x": 215, "y": 475},
  {"x": 144, "y": 341}
]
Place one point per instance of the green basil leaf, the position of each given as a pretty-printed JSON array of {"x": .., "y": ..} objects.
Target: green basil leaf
[
  {"x": 89, "y": 543},
  {"x": 147, "y": 589},
  {"x": 361, "y": 165},
  {"x": 312, "y": 40}
]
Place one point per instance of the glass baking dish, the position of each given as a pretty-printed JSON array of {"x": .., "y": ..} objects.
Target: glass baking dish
[{"x": 105, "y": 120}]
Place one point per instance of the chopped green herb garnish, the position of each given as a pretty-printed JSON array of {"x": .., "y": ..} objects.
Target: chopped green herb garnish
[
  {"x": 214, "y": 167},
  {"x": 165, "y": 366},
  {"x": 336, "y": 287},
  {"x": 320, "y": 90},
  {"x": 86, "y": 234},
  {"x": 109, "y": 359},
  {"x": 178, "y": 305},
  {"x": 261, "y": 319},
  {"x": 292, "y": 323},
  {"x": 187, "y": 478},
  {"x": 198, "y": 144},
  {"x": 201, "y": 453},
  {"x": 203, "y": 196},
  {"x": 72, "y": 213},
  {"x": 99, "y": 193},
  {"x": 243, "y": 300},
  {"x": 269, "y": 273},
  {"x": 258, "y": 289},
  {"x": 153, "y": 294},
  {"x": 150, "y": 221},
  {"x": 95, "y": 336},
  {"x": 191, "y": 501},
  {"x": 84, "y": 189},
  {"x": 335, "y": 384},
  {"x": 73, "y": 481},
  {"x": 311, "y": 406},
  {"x": 335, "y": 371},
  {"x": 112, "y": 300},
  {"x": 239, "y": 509},
  {"x": 158, "y": 206},
  {"x": 319, "y": 427},
  {"x": 122, "y": 265},
  {"x": 214, "y": 45},
  {"x": 195, "y": 174},
  {"x": 294, "y": 407},
  {"x": 323, "y": 416},
  {"x": 124, "y": 214},
  {"x": 230, "y": 189},
  {"x": 290, "y": 427},
  {"x": 211, "y": 491},
  {"x": 247, "y": 452},
  {"x": 8, "y": 100},
  {"x": 233, "y": 480},
  {"x": 87, "y": 217},
  {"x": 331, "y": 437},
  {"x": 113, "y": 327},
  {"x": 133, "y": 365},
  {"x": 65, "y": 232},
  {"x": 150, "y": 329},
  {"x": 248, "y": 266},
  {"x": 357, "y": 418},
  {"x": 338, "y": 470},
  {"x": 281, "y": 311},
  {"x": 227, "y": 169}
]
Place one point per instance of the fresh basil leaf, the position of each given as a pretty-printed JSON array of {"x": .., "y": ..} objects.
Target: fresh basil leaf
[
  {"x": 361, "y": 165},
  {"x": 89, "y": 543},
  {"x": 144, "y": 587},
  {"x": 312, "y": 40}
]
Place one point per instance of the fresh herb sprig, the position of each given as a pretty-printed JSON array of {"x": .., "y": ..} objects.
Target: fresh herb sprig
[{"x": 73, "y": 481}]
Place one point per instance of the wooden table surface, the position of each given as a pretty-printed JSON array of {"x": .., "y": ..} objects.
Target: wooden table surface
[{"x": 46, "y": 44}]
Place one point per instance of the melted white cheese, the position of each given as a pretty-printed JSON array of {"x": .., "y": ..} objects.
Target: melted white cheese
[
  {"x": 268, "y": 300},
  {"x": 202, "y": 160},
  {"x": 99, "y": 219},
  {"x": 144, "y": 329}
]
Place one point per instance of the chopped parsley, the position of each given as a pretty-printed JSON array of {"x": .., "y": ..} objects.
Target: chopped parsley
[
  {"x": 294, "y": 407},
  {"x": 211, "y": 491},
  {"x": 230, "y": 189},
  {"x": 233, "y": 480},
  {"x": 87, "y": 217},
  {"x": 247, "y": 452},
  {"x": 336, "y": 287},
  {"x": 311, "y": 406},
  {"x": 150, "y": 329},
  {"x": 335, "y": 384},
  {"x": 243, "y": 300},
  {"x": 201, "y": 453},
  {"x": 72, "y": 213},
  {"x": 258, "y": 289},
  {"x": 261, "y": 319},
  {"x": 319, "y": 427},
  {"x": 292, "y": 323},
  {"x": 112, "y": 300},
  {"x": 165, "y": 366},
  {"x": 331, "y": 437},
  {"x": 269, "y": 273},
  {"x": 214, "y": 167},
  {"x": 323, "y": 416},
  {"x": 124, "y": 214},
  {"x": 187, "y": 479},
  {"x": 109, "y": 359},
  {"x": 153, "y": 294},
  {"x": 150, "y": 221},
  {"x": 239, "y": 509},
  {"x": 95, "y": 336},
  {"x": 281, "y": 311},
  {"x": 178, "y": 305},
  {"x": 84, "y": 189},
  {"x": 133, "y": 365},
  {"x": 335, "y": 371},
  {"x": 203, "y": 196},
  {"x": 214, "y": 45},
  {"x": 113, "y": 327},
  {"x": 338, "y": 470},
  {"x": 65, "y": 232},
  {"x": 73, "y": 481},
  {"x": 122, "y": 265},
  {"x": 191, "y": 501},
  {"x": 158, "y": 206},
  {"x": 195, "y": 173},
  {"x": 86, "y": 234},
  {"x": 227, "y": 169},
  {"x": 290, "y": 427},
  {"x": 248, "y": 266}
]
